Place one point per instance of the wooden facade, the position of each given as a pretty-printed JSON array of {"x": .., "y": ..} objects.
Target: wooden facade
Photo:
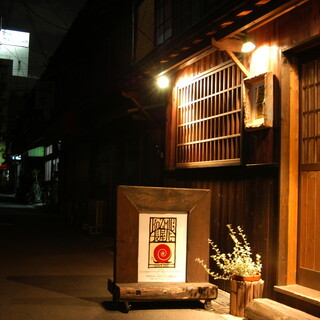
[
  {"x": 263, "y": 179},
  {"x": 243, "y": 193},
  {"x": 272, "y": 194}
]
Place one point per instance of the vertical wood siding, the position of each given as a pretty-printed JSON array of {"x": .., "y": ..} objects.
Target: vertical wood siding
[{"x": 240, "y": 196}]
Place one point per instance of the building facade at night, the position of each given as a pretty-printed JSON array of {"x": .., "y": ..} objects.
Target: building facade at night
[
  {"x": 14, "y": 87},
  {"x": 244, "y": 125}
]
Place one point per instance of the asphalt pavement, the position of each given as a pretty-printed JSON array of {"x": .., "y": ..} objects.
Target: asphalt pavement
[{"x": 50, "y": 271}]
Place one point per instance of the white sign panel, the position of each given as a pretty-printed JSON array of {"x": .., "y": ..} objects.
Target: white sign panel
[
  {"x": 14, "y": 45},
  {"x": 14, "y": 38},
  {"x": 162, "y": 247}
]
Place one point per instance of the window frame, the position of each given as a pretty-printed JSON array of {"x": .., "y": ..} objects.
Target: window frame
[
  {"x": 173, "y": 128},
  {"x": 163, "y": 22}
]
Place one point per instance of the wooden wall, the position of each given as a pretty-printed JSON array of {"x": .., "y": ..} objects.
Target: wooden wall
[
  {"x": 241, "y": 196},
  {"x": 250, "y": 195}
]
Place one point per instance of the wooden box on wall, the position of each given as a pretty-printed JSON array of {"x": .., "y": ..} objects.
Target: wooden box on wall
[
  {"x": 260, "y": 132},
  {"x": 258, "y": 101}
]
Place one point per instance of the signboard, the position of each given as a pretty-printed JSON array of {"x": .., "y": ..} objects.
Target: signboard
[
  {"x": 162, "y": 247},
  {"x": 14, "y": 45},
  {"x": 14, "y": 38}
]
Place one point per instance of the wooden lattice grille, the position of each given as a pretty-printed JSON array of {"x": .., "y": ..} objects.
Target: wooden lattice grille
[
  {"x": 308, "y": 272},
  {"x": 209, "y": 118},
  {"x": 310, "y": 117}
]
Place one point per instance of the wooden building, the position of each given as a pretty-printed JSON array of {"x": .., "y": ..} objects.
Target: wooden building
[{"x": 244, "y": 125}]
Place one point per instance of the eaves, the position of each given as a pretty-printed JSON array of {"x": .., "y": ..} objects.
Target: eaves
[{"x": 244, "y": 16}]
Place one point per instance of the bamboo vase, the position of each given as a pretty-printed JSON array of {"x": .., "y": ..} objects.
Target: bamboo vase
[{"x": 241, "y": 293}]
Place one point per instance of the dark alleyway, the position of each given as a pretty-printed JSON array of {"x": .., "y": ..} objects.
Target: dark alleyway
[{"x": 50, "y": 271}]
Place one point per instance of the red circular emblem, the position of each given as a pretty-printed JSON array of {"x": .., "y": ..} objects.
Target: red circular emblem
[{"x": 162, "y": 253}]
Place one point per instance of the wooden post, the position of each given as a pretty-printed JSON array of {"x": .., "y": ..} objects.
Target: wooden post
[{"x": 241, "y": 293}]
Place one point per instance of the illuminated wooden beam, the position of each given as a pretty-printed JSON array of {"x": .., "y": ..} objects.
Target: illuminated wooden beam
[
  {"x": 238, "y": 63},
  {"x": 233, "y": 45},
  {"x": 230, "y": 47}
]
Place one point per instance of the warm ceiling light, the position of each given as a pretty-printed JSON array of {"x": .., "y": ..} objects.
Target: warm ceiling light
[
  {"x": 247, "y": 46},
  {"x": 163, "y": 82}
]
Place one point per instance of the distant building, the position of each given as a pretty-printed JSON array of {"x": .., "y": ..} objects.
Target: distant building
[{"x": 15, "y": 85}]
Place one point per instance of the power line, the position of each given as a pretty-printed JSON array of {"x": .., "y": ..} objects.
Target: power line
[
  {"x": 41, "y": 17},
  {"x": 36, "y": 33},
  {"x": 57, "y": 13}
]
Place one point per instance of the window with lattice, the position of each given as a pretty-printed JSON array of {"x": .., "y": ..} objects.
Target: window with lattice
[
  {"x": 209, "y": 113},
  {"x": 310, "y": 113}
]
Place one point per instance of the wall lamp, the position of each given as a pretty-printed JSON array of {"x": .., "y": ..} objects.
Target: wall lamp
[
  {"x": 163, "y": 82},
  {"x": 247, "y": 46}
]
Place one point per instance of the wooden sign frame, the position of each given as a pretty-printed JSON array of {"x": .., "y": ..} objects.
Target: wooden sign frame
[{"x": 133, "y": 200}]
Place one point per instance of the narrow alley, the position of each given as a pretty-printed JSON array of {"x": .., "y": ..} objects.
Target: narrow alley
[{"x": 50, "y": 271}]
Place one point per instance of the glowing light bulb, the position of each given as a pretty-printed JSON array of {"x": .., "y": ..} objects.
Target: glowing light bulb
[
  {"x": 163, "y": 82},
  {"x": 247, "y": 46}
]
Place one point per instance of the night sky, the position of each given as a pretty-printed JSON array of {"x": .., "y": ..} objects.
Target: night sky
[{"x": 47, "y": 21}]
